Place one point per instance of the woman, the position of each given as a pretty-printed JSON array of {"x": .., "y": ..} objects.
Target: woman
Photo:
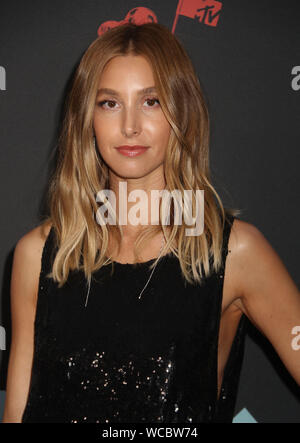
[{"x": 156, "y": 334}]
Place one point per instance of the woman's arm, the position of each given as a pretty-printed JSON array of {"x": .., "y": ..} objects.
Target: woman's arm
[
  {"x": 268, "y": 295},
  {"x": 24, "y": 289}
]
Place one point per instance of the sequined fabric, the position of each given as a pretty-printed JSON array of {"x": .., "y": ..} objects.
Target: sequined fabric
[{"x": 121, "y": 359}]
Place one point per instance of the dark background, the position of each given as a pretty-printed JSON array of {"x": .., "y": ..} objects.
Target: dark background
[{"x": 245, "y": 67}]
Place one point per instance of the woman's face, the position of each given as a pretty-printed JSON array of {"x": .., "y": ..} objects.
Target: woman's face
[{"x": 128, "y": 116}]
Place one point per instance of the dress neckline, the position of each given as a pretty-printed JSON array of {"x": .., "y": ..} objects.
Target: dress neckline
[{"x": 144, "y": 263}]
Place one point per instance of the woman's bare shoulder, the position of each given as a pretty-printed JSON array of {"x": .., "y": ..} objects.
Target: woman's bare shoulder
[
  {"x": 30, "y": 245},
  {"x": 246, "y": 241}
]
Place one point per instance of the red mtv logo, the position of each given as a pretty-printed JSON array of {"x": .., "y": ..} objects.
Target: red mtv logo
[{"x": 206, "y": 11}]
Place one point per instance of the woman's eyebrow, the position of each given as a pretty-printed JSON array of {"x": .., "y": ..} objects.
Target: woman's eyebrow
[{"x": 115, "y": 93}]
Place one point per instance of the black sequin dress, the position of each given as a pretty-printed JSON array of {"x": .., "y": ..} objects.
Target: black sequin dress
[{"x": 130, "y": 360}]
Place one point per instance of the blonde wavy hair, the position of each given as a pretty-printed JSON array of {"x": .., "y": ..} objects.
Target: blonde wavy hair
[{"x": 81, "y": 242}]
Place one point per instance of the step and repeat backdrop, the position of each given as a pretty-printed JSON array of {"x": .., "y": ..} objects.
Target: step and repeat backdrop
[{"x": 247, "y": 56}]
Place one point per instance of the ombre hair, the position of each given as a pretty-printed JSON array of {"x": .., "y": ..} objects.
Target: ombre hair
[{"x": 81, "y": 242}]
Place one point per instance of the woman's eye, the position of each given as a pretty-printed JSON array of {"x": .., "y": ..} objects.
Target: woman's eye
[
  {"x": 103, "y": 102},
  {"x": 111, "y": 103},
  {"x": 152, "y": 99}
]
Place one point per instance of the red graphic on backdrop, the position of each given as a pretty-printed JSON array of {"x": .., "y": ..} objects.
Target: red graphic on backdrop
[
  {"x": 137, "y": 16},
  {"x": 206, "y": 11}
]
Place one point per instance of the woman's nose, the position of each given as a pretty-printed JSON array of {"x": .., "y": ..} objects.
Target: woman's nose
[{"x": 131, "y": 124}]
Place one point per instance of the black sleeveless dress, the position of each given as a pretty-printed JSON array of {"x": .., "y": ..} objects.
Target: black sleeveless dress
[{"x": 130, "y": 360}]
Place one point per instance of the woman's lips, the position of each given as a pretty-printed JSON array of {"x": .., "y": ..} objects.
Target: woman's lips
[{"x": 132, "y": 151}]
